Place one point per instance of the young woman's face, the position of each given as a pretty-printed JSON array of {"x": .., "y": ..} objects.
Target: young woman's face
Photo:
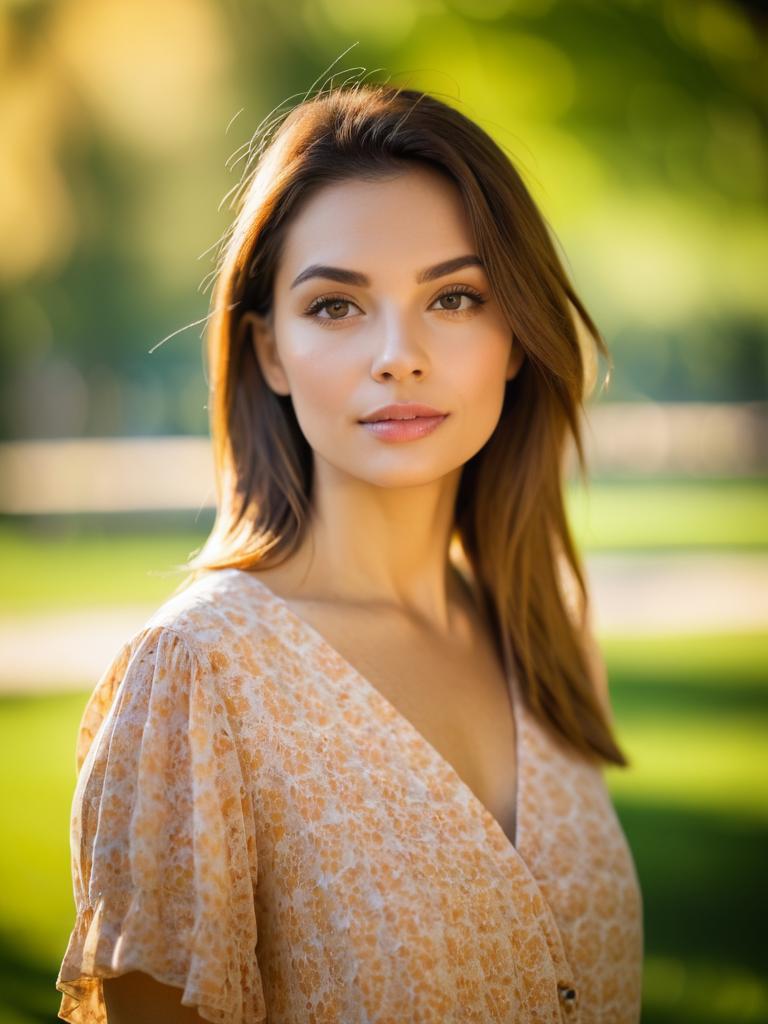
[{"x": 395, "y": 334}]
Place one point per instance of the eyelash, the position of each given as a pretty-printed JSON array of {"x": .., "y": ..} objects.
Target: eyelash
[{"x": 325, "y": 300}]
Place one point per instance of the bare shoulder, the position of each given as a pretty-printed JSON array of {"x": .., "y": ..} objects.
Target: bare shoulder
[{"x": 138, "y": 998}]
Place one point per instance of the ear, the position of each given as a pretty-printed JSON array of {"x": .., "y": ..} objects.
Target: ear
[
  {"x": 259, "y": 332},
  {"x": 516, "y": 357}
]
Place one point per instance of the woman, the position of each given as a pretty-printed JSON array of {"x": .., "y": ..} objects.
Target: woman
[{"x": 351, "y": 770}]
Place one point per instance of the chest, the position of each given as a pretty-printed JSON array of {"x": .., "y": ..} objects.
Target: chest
[{"x": 456, "y": 697}]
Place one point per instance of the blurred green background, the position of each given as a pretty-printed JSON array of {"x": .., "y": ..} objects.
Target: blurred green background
[{"x": 640, "y": 128}]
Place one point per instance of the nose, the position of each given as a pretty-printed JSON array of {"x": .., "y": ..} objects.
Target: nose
[{"x": 399, "y": 353}]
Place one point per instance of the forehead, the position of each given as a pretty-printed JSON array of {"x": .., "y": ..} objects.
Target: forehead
[{"x": 397, "y": 224}]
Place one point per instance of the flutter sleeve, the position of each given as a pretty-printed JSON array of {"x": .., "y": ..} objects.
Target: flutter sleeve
[{"x": 163, "y": 850}]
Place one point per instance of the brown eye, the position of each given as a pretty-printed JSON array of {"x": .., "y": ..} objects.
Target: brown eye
[
  {"x": 333, "y": 307},
  {"x": 454, "y": 296},
  {"x": 336, "y": 305}
]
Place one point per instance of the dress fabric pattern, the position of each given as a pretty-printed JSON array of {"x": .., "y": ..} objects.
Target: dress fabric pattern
[{"x": 254, "y": 823}]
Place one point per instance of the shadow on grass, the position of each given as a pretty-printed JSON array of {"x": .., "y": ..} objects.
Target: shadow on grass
[
  {"x": 703, "y": 883},
  {"x": 632, "y": 697},
  {"x": 27, "y": 986},
  {"x": 705, "y": 904}
]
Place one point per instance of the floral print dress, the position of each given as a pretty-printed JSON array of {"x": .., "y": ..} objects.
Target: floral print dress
[{"x": 254, "y": 823}]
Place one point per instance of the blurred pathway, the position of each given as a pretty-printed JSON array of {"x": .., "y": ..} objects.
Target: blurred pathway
[{"x": 667, "y": 593}]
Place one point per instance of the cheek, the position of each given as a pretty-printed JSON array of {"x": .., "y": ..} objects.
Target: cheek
[
  {"x": 480, "y": 378},
  {"x": 323, "y": 383}
]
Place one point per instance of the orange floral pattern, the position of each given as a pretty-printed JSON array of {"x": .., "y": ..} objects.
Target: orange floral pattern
[{"x": 254, "y": 823}]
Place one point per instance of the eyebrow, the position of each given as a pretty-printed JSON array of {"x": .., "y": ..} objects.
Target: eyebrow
[{"x": 356, "y": 278}]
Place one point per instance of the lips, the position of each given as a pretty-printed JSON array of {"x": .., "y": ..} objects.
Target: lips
[
  {"x": 403, "y": 411},
  {"x": 403, "y": 429}
]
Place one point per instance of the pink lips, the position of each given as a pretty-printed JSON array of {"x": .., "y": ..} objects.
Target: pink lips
[
  {"x": 402, "y": 411},
  {"x": 405, "y": 421}
]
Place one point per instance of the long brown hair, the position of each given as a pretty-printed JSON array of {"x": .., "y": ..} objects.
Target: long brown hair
[{"x": 510, "y": 522}]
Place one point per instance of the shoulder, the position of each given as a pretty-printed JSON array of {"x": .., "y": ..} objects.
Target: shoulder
[
  {"x": 218, "y": 624},
  {"x": 219, "y": 642},
  {"x": 232, "y": 621},
  {"x": 216, "y": 610},
  {"x": 202, "y": 606},
  {"x": 183, "y": 653}
]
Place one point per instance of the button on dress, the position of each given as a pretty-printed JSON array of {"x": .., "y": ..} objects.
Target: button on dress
[{"x": 256, "y": 824}]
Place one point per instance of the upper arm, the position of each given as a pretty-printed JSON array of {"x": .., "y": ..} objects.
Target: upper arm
[
  {"x": 137, "y": 998},
  {"x": 162, "y": 835}
]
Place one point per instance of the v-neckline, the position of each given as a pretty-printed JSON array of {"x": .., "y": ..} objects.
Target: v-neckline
[{"x": 405, "y": 723}]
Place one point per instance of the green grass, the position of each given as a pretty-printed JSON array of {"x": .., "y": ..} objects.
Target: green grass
[
  {"x": 84, "y": 561},
  {"x": 692, "y": 716},
  {"x": 49, "y": 572},
  {"x": 662, "y": 515},
  {"x": 691, "y": 713},
  {"x": 708, "y": 693}
]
